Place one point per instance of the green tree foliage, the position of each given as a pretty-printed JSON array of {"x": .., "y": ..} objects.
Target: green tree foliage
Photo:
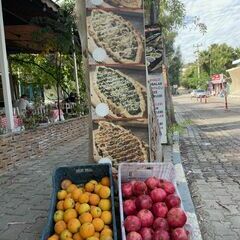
[
  {"x": 40, "y": 70},
  {"x": 55, "y": 65},
  {"x": 214, "y": 60},
  {"x": 190, "y": 78},
  {"x": 175, "y": 66}
]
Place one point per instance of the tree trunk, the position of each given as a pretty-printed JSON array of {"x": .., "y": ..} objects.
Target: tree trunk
[{"x": 168, "y": 94}]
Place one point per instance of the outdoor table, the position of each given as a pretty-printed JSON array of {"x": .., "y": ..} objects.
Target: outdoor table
[
  {"x": 17, "y": 121},
  {"x": 55, "y": 115}
]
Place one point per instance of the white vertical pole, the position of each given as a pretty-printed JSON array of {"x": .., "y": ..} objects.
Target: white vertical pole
[
  {"x": 75, "y": 67},
  {"x": 5, "y": 75}
]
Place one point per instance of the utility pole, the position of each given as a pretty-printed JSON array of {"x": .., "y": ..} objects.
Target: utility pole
[{"x": 197, "y": 46}]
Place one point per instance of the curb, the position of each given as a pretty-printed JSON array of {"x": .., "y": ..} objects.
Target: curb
[{"x": 184, "y": 190}]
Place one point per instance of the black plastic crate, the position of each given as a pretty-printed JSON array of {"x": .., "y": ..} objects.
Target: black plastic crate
[{"x": 78, "y": 175}]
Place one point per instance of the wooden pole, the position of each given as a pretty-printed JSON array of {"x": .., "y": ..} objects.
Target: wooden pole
[
  {"x": 80, "y": 17},
  {"x": 75, "y": 67},
  {"x": 5, "y": 75},
  {"x": 226, "y": 102}
]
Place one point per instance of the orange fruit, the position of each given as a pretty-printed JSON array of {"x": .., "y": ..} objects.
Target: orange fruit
[
  {"x": 85, "y": 217},
  {"x": 94, "y": 199},
  {"x": 83, "y": 208},
  {"x": 96, "y": 211},
  {"x": 73, "y": 225},
  {"x": 68, "y": 203},
  {"x": 58, "y": 215},
  {"x": 106, "y": 217},
  {"x": 104, "y": 192},
  {"x": 69, "y": 214},
  {"x": 106, "y": 227},
  {"x": 65, "y": 184},
  {"x": 77, "y": 236},
  {"x": 54, "y": 237},
  {"x": 84, "y": 198},
  {"x": 93, "y": 238},
  {"x": 87, "y": 230},
  {"x": 71, "y": 187},
  {"x": 76, "y": 194},
  {"x": 60, "y": 205},
  {"x": 89, "y": 187},
  {"x": 69, "y": 195},
  {"x": 105, "y": 237},
  {"x": 59, "y": 227},
  {"x": 105, "y": 204},
  {"x": 93, "y": 182},
  {"x": 61, "y": 194},
  {"x": 97, "y": 188},
  {"x": 69, "y": 238},
  {"x": 105, "y": 181},
  {"x": 77, "y": 205},
  {"x": 97, "y": 234},
  {"x": 106, "y": 232},
  {"x": 65, "y": 234},
  {"x": 98, "y": 224}
]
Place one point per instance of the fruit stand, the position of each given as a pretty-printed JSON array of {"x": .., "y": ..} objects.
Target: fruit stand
[
  {"x": 134, "y": 197},
  {"x": 149, "y": 205}
]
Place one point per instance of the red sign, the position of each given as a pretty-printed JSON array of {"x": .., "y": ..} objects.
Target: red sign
[{"x": 217, "y": 78}]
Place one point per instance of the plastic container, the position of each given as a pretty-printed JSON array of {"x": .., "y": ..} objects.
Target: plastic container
[
  {"x": 78, "y": 175},
  {"x": 141, "y": 171}
]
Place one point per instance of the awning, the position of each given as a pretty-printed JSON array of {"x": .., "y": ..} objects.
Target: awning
[
  {"x": 18, "y": 24},
  {"x": 218, "y": 81}
]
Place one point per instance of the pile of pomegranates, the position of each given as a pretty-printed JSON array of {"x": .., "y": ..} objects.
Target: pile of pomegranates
[{"x": 152, "y": 211}]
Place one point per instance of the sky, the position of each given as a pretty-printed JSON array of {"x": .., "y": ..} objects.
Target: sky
[{"x": 222, "y": 18}]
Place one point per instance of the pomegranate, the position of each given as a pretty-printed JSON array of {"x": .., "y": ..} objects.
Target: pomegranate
[
  {"x": 152, "y": 182},
  {"x": 146, "y": 233},
  {"x": 158, "y": 195},
  {"x": 132, "y": 182},
  {"x": 176, "y": 217},
  {"x": 167, "y": 186},
  {"x": 139, "y": 188},
  {"x": 179, "y": 234},
  {"x": 172, "y": 201},
  {"x": 127, "y": 190},
  {"x": 132, "y": 224},
  {"x": 134, "y": 236},
  {"x": 160, "y": 223},
  {"x": 146, "y": 217},
  {"x": 129, "y": 207},
  {"x": 159, "y": 209},
  {"x": 161, "y": 235},
  {"x": 144, "y": 202}
]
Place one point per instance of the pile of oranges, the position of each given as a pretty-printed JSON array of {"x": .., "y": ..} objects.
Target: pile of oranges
[{"x": 83, "y": 212}]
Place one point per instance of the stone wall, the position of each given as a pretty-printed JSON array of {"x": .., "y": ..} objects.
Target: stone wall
[{"x": 15, "y": 147}]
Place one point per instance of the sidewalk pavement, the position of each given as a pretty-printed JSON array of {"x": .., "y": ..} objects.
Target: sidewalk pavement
[
  {"x": 26, "y": 190},
  {"x": 211, "y": 159}
]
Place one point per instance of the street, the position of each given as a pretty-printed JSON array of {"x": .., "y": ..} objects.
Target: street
[{"x": 211, "y": 159}]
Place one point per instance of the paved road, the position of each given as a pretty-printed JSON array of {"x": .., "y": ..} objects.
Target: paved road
[
  {"x": 25, "y": 191},
  {"x": 211, "y": 157}
]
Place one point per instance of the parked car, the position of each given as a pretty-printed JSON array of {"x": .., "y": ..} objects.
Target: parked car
[
  {"x": 193, "y": 93},
  {"x": 199, "y": 93}
]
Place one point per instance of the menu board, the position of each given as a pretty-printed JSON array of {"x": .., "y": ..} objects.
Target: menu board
[
  {"x": 117, "y": 73},
  {"x": 156, "y": 154},
  {"x": 154, "y": 57},
  {"x": 157, "y": 88}
]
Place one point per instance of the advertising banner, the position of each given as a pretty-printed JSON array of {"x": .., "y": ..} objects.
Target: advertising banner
[
  {"x": 157, "y": 88},
  {"x": 154, "y": 57},
  {"x": 118, "y": 88}
]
